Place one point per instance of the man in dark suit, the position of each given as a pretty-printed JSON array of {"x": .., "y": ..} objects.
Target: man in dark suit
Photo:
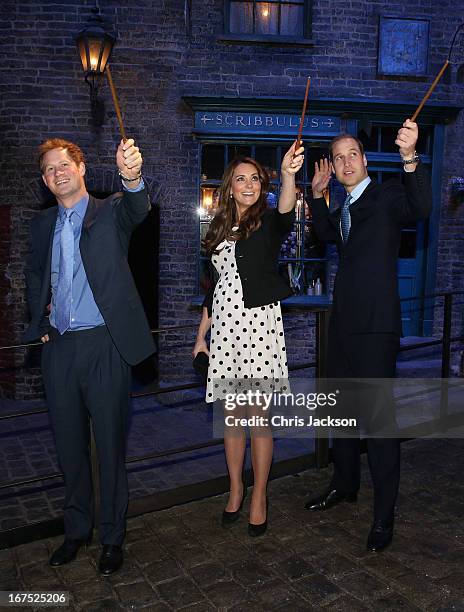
[
  {"x": 85, "y": 308},
  {"x": 365, "y": 323}
]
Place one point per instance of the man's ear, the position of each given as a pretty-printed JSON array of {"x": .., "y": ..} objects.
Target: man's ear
[
  {"x": 82, "y": 168},
  {"x": 365, "y": 161}
]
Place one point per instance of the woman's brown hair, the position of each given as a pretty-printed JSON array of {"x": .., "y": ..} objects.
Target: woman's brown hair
[{"x": 226, "y": 215}]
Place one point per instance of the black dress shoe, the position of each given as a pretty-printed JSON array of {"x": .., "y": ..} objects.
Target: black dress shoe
[
  {"x": 329, "y": 499},
  {"x": 66, "y": 552},
  {"x": 229, "y": 518},
  {"x": 111, "y": 559},
  {"x": 255, "y": 531},
  {"x": 380, "y": 536}
]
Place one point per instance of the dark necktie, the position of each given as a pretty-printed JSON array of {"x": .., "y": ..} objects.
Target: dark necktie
[
  {"x": 345, "y": 218},
  {"x": 65, "y": 276}
]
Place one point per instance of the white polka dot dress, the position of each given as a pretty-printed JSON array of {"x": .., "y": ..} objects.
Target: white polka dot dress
[{"x": 246, "y": 343}]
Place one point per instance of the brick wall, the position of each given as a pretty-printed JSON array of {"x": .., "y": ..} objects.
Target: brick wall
[{"x": 155, "y": 62}]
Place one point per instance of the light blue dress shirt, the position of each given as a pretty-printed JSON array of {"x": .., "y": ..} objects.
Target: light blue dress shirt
[{"x": 85, "y": 313}]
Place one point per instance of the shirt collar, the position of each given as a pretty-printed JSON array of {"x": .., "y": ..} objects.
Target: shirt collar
[
  {"x": 359, "y": 189},
  {"x": 79, "y": 208}
]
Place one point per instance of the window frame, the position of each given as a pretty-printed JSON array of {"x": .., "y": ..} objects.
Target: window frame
[
  {"x": 273, "y": 39},
  {"x": 280, "y": 143}
]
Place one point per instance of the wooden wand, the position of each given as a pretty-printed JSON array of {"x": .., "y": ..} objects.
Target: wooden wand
[
  {"x": 430, "y": 91},
  {"x": 116, "y": 103},
  {"x": 439, "y": 75},
  {"x": 300, "y": 129}
]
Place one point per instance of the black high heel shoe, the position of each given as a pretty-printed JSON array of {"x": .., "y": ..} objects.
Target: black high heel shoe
[
  {"x": 255, "y": 531},
  {"x": 229, "y": 518}
]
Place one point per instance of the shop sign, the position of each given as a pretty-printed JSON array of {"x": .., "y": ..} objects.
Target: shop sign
[{"x": 265, "y": 123}]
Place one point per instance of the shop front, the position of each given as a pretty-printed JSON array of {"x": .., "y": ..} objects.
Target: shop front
[{"x": 265, "y": 128}]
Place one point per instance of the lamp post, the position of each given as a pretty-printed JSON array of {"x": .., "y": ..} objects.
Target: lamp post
[{"x": 95, "y": 44}]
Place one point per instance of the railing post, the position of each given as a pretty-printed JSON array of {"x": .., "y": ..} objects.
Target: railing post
[
  {"x": 446, "y": 354},
  {"x": 321, "y": 440},
  {"x": 447, "y": 314}
]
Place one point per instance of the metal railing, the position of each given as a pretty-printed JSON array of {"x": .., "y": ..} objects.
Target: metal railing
[{"x": 320, "y": 457}]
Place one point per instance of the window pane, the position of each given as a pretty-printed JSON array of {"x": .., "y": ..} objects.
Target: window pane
[
  {"x": 314, "y": 248},
  {"x": 388, "y": 136},
  {"x": 424, "y": 142},
  {"x": 289, "y": 247},
  {"x": 293, "y": 273},
  {"x": 369, "y": 135},
  {"x": 313, "y": 154},
  {"x": 209, "y": 200},
  {"x": 266, "y": 156},
  {"x": 212, "y": 162},
  {"x": 312, "y": 273},
  {"x": 241, "y": 17},
  {"x": 267, "y": 18},
  {"x": 291, "y": 20},
  {"x": 238, "y": 151},
  {"x": 273, "y": 196}
]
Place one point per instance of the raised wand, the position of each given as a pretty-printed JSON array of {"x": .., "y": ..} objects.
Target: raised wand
[
  {"x": 300, "y": 129},
  {"x": 439, "y": 75},
  {"x": 116, "y": 102}
]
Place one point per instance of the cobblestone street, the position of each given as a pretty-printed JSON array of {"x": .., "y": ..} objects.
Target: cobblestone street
[{"x": 182, "y": 558}]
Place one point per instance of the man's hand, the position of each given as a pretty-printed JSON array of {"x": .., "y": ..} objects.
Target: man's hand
[
  {"x": 407, "y": 138},
  {"x": 45, "y": 338},
  {"x": 322, "y": 173},
  {"x": 129, "y": 161}
]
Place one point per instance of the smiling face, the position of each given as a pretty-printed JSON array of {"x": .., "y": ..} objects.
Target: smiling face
[
  {"x": 63, "y": 177},
  {"x": 349, "y": 163},
  {"x": 245, "y": 186}
]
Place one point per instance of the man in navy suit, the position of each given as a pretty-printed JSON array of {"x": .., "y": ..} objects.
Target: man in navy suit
[
  {"x": 86, "y": 310},
  {"x": 365, "y": 323}
]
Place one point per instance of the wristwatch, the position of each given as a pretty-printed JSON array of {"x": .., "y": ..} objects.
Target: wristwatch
[{"x": 414, "y": 159}]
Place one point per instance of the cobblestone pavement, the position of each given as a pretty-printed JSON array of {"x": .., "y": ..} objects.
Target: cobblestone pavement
[
  {"x": 181, "y": 558},
  {"x": 27, "y": 450}
]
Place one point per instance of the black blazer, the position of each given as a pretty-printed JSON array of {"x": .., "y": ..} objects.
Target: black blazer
[
  {"x": 365, "y": 296},
  {"x": 106, "y": 230},
  {"x": 257, "y": 262}
]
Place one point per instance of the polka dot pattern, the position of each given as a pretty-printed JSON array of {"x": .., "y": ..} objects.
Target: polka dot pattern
[{"x": 250, "y": 344}]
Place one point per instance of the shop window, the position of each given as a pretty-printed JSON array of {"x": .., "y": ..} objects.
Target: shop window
[
  {"x": 303, "y": 260},
  {"x": 381, "y": 138},
  {"x": 284, "y": 19}
]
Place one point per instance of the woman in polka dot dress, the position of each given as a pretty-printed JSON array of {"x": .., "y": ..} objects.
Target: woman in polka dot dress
[{"x": 247, "y": 345}]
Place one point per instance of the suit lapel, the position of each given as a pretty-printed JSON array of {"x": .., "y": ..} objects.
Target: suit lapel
[
  {"x": 49, "y": 232},
  {"x": 358, "y": 210},
  {"x": 363, "y": 201},
  {"x": 90, "y": 214}
]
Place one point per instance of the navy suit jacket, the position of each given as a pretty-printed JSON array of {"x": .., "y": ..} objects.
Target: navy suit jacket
[
  {"x": 365, "y": 296},
  {"x": 104, "y": 243}
]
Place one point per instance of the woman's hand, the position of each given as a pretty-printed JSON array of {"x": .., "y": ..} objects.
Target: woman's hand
[
  {"x": 200, "y": 345},
  {"x": 322, "y": 173},
  {"x": 292, "y": 161}
]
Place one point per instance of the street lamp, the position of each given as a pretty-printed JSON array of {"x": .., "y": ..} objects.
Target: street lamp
[{"x": 95, "y": 44}]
